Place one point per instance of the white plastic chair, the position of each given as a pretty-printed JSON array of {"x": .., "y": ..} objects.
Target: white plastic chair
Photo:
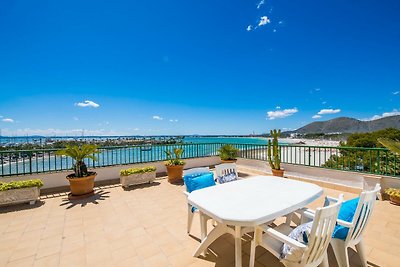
[
  {"x": 191, "y": 209},
  {"x": 315, "y": 252},
  {"x": 356, "y": 228},
  {"x": 225, "y": 168}
]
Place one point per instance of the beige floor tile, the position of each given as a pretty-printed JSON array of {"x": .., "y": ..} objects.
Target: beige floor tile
[
  {"x": 123, "y": 253},
  {"x": 23, "y": 253},
  {"x": 134, "y": 261},
  {"x": 24, "y": 262},
  {"x": 49, "y": 261}
]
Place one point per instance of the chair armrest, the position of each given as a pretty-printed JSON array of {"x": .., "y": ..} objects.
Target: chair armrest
[
  {"x": 308, "y": 213},
  {"x": 344, "y": 223},
  {"x": 282, "y": 237},
  {"x": 186, "y": 193}
]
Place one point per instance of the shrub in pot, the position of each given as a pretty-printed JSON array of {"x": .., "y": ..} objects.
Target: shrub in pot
[
  {"x": 174, "y": 164},
  {"x": 135, "y": 176},
  {"x": 228, "y": 153},
  {"x": 20, "y": 192},
  {"x": 394, "y": 195},
  {"x": 81, "y": 181},
  {"x": 274, "y": 154}
]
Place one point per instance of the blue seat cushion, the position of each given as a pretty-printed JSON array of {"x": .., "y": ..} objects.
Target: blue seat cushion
[
  {"x": 346, "y": 213},
  {"x": 198, "y": 181}
]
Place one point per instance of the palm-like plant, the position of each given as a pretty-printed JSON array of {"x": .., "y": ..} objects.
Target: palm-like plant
[
  {"x": 79, "y": 153},
  {"x": 228, "y": 152},
  {"x": 392, "y": 145},
  {"x": 174, "y": 158}
]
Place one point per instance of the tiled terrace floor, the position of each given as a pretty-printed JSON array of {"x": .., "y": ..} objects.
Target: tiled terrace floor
[{"x": 146, "y": 226}]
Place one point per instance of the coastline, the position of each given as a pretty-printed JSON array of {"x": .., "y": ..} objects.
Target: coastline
[{"x": 309, "y": 142}]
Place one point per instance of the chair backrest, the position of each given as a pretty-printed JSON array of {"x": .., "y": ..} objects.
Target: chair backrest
[
  {"x": 225, "y": 168},
  {"x": 196, "y": 171},
  {"x": 321, "y": 232},
  {"x": 363, "y": 213}
]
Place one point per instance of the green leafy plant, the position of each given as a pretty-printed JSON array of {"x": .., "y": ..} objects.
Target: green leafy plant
[
  {"x": 79, "y": 153},
  {"x": 228, "y": 152},
  {"x": 174, "y": 157},
  {"x": 392, "y": 145},
  {"x": 274, "y": 151},
  {"x": 393, "y": 192},
  {"x": 130, "y": 171},
  {"x": 21, "y": 184}
]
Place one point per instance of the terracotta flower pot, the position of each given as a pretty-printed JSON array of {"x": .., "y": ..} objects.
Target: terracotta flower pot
[
  {"x": 175, "y": 173},
  {"x": 395, "y": 200},
  {"x": 81, "y": 186},
  {"x": 278, "y": 173},
  {"x": 228, "y": 160}
]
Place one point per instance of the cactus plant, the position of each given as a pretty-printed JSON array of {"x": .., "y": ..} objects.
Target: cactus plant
[{"x": 273, "y": 150}]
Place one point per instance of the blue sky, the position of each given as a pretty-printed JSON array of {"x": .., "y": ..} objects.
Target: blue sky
[{"x": 194, "y": 67}]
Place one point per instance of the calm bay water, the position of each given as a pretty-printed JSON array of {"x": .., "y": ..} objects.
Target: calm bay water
[{"x": 20, "y": 163}]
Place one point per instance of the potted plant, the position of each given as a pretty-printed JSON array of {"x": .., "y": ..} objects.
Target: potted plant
[
  {"x": 228, "y": 153},
  {"x": 174, "y": 164},
  {"x": 81, "y": 181},
  {"x": 274, "y": 154},
  {"x": 394, "y": 195},
  {"x": 135, "y": 176},
  {"x": 20, "y": 192}
]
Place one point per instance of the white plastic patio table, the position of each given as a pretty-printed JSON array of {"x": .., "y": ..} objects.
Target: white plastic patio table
[{"x": 247, "y": 203}]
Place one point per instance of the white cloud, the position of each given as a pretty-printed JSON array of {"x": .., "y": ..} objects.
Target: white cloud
[
  {"x": 87, "y": 103},
  {"x": 249, "y": 28},
  {"x": 385, "y": 114},
  {"x": 328, "y": 111},
  {"x": 317, "y": 89},
  {"x": 280, "y": 114},
  {"x": 263, "y": 21},
  {"x": 280, "y": 22},
  {"x": 324, "y": 102},
  {"x": 136, "y": 129},
  {"x": 316, "y": 116},
  {"x": 1, "y": 117},
  {"x": 8, "y": 120},
  {"x": 396, "y": 93},
  {"x": 278, "y": 107},
  {"x": 156, "y": 117},
  {"x": 75, "y": 118},
  {"x": 262, "y": 2},
  {"x": 173, "y": 120},
  {"x": 274, "y": 30}
]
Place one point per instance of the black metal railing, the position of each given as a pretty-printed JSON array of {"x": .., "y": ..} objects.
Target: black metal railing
[{"x": 367, "y": 160}]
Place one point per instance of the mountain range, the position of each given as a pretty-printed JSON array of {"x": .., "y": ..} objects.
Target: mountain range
[{"x": 350, "y": 125}]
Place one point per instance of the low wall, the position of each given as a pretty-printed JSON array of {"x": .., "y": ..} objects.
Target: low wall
[
  {"x": 336, "y": 179},
  {"x": 54, "y": 182}
]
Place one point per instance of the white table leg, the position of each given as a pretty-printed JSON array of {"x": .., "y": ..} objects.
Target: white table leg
[
  {"x": 203, "y": 225},
  {"x": 219, "y": 230},
  {"x": 238, "y": 246}
]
